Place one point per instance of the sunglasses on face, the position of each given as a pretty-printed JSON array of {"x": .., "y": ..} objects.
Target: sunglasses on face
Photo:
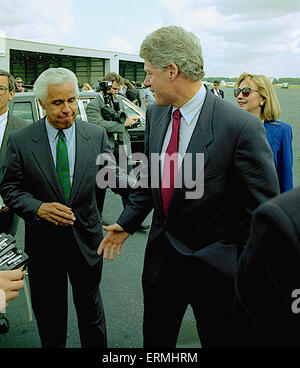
[{"x": 245, "y": 91}]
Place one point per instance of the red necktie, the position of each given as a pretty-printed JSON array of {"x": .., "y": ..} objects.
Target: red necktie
[{"x": 170, "y": 163}]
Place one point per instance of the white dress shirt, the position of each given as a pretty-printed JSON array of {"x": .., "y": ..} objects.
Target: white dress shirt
[
  {"x": 3, "y": 123},
  {"x": 217, "y": 93},
  {"x": 190, "y": 113},
  {"x": 71, "y": 144}
]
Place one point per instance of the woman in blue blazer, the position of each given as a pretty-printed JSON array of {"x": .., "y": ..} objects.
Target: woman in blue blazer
[{"x": 256, "y": 94}]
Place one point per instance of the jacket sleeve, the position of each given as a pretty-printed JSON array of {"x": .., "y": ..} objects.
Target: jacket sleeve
[
  {"x": 12, "y": 188},
  {"x": 285, "y": 159},
  {"x": 140, "y": 202},
  {"x": 94, "y": 116},
  {"x": 267, "y": 267},
  {"x": 110, "y": 173},
  {"x": 254, "y": 168}
]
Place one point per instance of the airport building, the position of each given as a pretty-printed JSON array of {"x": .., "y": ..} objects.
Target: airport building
[{"x": 27, "y": 59}]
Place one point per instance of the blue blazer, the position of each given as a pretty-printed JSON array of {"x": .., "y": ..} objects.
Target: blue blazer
[{"x": 280, "y": 137}]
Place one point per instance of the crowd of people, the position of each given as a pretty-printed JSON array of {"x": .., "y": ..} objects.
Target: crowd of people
[{"x": 221, "y": 252}]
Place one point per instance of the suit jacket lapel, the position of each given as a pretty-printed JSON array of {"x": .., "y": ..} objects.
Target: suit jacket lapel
[
  {"x": 81, "y": 157},
  {"x": 42, "y": 154},
  {"x": 159, "y": 133},
  {"x": 201, "y": 138},
  {"x": 161, "y": 129},
  {"x": 203, "y": 133},
  {"x": 10, "y": 127}
]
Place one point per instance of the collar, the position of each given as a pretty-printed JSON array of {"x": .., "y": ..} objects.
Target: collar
[
  {"x": 53, "y": 132},
  {"x": 4, "y": 116},
  {"x": 192, "y": 107}
]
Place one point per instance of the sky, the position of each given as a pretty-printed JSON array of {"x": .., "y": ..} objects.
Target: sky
[{"x": 257, "y": 36}]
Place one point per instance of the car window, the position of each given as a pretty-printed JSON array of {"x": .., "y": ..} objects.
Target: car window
[
  {"x": 85, "y": 103},
  {"x": 23, "y": 110},
  {"x": 82, "y": 108},
  {"x": 132, "y": 110}
]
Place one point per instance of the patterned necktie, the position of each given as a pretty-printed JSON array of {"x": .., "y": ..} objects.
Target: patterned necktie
[
  {"x": 170, "y": 163},
  {"x": 62, "y": 165}
]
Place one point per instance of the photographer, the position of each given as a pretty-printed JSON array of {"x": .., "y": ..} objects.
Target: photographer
[
  {"x": 104, "y": 110},
  {"x": 96, "y": 114}
]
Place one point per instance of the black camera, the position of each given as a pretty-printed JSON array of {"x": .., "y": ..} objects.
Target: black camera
[
  {"x": 11, "y": 257},
  {"x": 110, "y": 114},
  {"x": 105, "y": 86}
]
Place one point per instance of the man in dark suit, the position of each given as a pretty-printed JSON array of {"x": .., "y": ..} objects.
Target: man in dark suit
[
  {"x": 193, "y": 245},
  {"x": 267, "y": 287},
  {"x": 216, "y": 90},
  {"x": 50, "y": 181},
  {"x": 8, "y": 123}
]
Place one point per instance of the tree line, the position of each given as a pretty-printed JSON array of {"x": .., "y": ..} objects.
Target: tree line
[{"x": 294, "y": 81}]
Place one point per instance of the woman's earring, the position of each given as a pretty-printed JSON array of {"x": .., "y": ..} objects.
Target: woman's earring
[{"x": 261, "y": 103}]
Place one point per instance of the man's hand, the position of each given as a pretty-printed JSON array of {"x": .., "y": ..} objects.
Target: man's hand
[
  {"x": 11, "y": 282},
  {"x": 113, "y": 241},
  {"x": 57, "y": 213},
  {"x": 131, "y": 120}
]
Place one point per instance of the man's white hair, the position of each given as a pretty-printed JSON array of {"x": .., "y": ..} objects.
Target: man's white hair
[{"x": 53, "y": 76}]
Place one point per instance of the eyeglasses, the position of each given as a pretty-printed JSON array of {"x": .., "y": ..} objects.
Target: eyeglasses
[
  {"x": 19, "y": 81},
  {"x": 245, "y": 91},
  {"x": 3, "y": 90}
]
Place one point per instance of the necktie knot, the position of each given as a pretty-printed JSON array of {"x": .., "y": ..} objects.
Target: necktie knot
[
  {"x": 177, "y": 115},
  {"x": 61, "y": 134}
]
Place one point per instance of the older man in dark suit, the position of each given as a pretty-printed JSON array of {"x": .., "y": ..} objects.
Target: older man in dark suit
[
  {"x": 50, "y": 181},
  {"x": 196, "y": 235}
]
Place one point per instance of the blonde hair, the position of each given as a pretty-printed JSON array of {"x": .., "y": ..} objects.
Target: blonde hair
[{"x": 271, "y": 109}]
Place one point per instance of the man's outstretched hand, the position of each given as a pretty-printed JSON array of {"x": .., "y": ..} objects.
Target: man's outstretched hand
[{"x": 113, "y": 241}]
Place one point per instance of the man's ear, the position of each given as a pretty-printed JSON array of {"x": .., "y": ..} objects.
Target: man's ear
[
  {"x": 173, "y": 70},
  {"x": 11, "y": 95}
]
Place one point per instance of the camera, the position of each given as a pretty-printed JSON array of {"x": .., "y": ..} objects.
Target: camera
[
  {"x": 112, "y": 109},
  {"x": 11, "y": 257},
  {"x": 105, "y": 86}
]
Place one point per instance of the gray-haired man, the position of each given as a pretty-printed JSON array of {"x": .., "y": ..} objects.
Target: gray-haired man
[
  {"x": 193, "y": 244},
  {"x": 50, "y": 181}
]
